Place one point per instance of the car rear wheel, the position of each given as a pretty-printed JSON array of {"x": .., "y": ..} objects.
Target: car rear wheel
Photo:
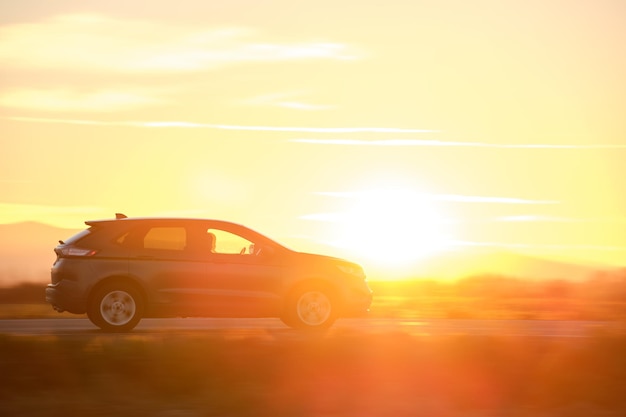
[
  {"x": 116, "y": 308},
  {"x": 310, "y": 308}
]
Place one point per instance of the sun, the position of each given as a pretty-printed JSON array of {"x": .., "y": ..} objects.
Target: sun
[{"x": 392, "y": 227}]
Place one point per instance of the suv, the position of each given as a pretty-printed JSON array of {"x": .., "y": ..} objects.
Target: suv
[{"x": 120, "y": 270}]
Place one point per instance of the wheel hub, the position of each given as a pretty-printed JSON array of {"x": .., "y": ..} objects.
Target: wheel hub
[
  {"x": 118, "y": 307},
  {"x": 313, "y": 307}
]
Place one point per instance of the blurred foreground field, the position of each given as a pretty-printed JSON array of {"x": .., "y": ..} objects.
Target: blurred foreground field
[
  {"x": 344, "y": 373},
  {"x": 493, "y": 297},
  {"x": 340, "y": 373}
]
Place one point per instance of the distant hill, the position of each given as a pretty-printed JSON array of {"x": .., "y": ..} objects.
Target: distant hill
[
  {"x": 26, "y": 251},
  {"x": 475, "y": 262}
]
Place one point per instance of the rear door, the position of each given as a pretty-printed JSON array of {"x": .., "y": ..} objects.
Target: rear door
[{"x": 163, "y": 260}]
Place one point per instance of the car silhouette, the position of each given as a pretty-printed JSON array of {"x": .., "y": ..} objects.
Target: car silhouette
[{"x": 121, "y": 270}]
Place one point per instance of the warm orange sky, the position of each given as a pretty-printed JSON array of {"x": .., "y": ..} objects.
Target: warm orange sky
[{"x": 380, "y": 131}]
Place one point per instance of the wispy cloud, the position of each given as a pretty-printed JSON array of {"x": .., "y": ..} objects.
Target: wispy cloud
[
  {"x": 456, "y": 198},
  {"x": 193, "y": 125},
  {"x": 543, "y": 247},
  {"x": 559, "y": 219},
  {"x": 98, "y": 42},
  {"x": 118, "y": 99},
  {"x": 325, "y": 217},
  {"x": 356, "y": 129},
  {"x": 296, "y": 105},
  {"x": 444, "y": 143},
  {"x": 289, "y": 100},
  {"x": 528, "y": 218},
  {"x": 334, "y": 217},
  {"x": 460, "y": 198}
]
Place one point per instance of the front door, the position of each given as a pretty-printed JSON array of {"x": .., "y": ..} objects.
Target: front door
[{"x": 240, "y": 280}]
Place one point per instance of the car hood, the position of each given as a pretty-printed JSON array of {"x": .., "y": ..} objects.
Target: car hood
[{"x": 314, "y": 258}]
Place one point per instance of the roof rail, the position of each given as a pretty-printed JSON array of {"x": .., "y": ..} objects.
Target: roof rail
[{"x": 120, "y": 216}]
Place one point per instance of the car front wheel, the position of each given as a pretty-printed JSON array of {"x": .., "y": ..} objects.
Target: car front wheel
[
  {"x": 310, "y": 308},
  {"x": 116, "y": 308}
]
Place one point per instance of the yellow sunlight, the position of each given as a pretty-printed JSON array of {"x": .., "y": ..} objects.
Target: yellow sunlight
[{"x": 392, "y": 227}]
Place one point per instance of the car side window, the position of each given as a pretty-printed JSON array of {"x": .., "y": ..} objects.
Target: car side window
[
  {"x": 165, "y": 238},
  {"x": 229, "y": 243},
  {"x": 123, "y": 239}
]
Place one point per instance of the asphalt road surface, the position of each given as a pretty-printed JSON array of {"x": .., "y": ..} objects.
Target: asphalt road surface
[{"x": 275, "y": 328}]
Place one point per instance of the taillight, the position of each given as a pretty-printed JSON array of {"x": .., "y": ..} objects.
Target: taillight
[{"x": 72, "y": 251}]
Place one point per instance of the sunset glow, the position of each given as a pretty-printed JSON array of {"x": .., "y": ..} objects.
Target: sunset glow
[
  {"x": 385, "y": 133},
  {"x": 390, "y": 227}
]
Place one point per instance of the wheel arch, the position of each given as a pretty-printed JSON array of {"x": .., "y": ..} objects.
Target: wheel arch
[{"x": 121, "y": 279}]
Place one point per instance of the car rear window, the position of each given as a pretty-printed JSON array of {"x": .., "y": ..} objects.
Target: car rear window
[
  {"x": 97, "y": 236},
  {"x": 78, "y": 236}
]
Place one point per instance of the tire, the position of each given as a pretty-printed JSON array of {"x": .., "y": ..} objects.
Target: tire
[
  {"x": 311, "y": 309},
  {"x": 116, "y": 307}
]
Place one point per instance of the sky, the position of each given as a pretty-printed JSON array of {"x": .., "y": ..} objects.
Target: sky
[{"x": 385, "y": 132}]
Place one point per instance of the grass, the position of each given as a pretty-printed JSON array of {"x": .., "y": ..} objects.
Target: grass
[
  {"x": 338, "y": 374},
  {"x": 528, "y": 308},
  {"x": 488, "y": 297},
  {"x": 342, "y": 373},
  {"x": 30, "y": 311}
]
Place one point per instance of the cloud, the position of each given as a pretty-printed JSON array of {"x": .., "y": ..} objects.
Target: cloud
[
  {"x": 544, "y": 247},
  {"x": 460, "y": 198},
  {"x": 285, "y": 100},
  {"x": 456, "y": 198},
  {"x": 443, "y": 143},
  {"x": 193, "y": 125},
  {"x": 325, "y": 217},
  {"x": 119, "y": 99},
  {"x": 363, "y": 129},
  {"x": 303, "y": 106},
  {"x": 556, "y": 219},
  {"x": 97, "y": 42}
]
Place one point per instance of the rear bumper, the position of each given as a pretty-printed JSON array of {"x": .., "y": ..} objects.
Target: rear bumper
[{"x": 66, "y": 296}]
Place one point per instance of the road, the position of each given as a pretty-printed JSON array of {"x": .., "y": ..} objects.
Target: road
[{"x": 274, "y": 327}]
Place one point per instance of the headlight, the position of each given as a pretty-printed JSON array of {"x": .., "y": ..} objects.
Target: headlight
[{"x": 354, "y": 270}]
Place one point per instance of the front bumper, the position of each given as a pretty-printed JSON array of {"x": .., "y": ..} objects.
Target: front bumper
[{"x": 358, "y": 303}]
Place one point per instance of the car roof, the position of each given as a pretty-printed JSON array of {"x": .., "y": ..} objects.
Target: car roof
[
  {"x": 121, "y": 219},
  {"x": 157, "y": 219}
]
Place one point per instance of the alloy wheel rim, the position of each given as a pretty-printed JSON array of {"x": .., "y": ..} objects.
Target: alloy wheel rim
[
  {"x": 118, "y": 308},
  {"x": 314, "y": 308}
]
